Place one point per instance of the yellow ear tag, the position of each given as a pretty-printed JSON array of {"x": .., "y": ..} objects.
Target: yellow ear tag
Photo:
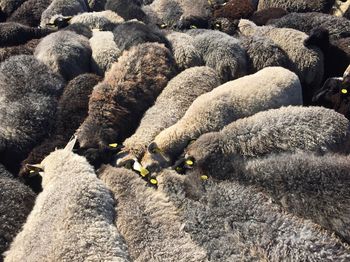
[
  {"x": 153, "y": 181},
  {"x": 144, "y": 172},
  {"x": 344, "y": 91},
  {"x": 189, "y": 162},
  {"x": 114, "y": 145},
  {"x": 163, "y": 25},
  {"x": 193, "y": 27},
  {"x": 204, "y": 177},
  {"x": 31, "y": 171}
]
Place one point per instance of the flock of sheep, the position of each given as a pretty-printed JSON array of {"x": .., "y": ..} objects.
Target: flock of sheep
[{"x": 174, "y": 130}]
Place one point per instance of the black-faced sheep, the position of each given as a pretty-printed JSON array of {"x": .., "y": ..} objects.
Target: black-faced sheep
[
  {"x": 263, "y": 16},
  {"x": 16, "y": 34},
  {"x": 104, "y": 51},
  {"x": 271, "y": 87},
  {"x": 312, "y": 187},
  {"x": 287, "y": 129},
  {"x": 169, "y": 107},
  {"x": 66, "y": 53},
  {"x": 305, "y": 22},
  {"x": 130, "y": 87},
  {"x": 72, "y": 109},
  {"x": 298, "y": 6},
  {"x": 185, "y": 53},
  {"x": 72, "y": 219},
  {"x": 221, "y": 52},
  {"x": 17, "y": 200},
  {"x": 149, "y": 222},
  {"x": 235, "y": 222},
  {"x": 97, "y": 5},
  {"x": 127, "y": 9},
  {"x": 62, "y": 8},
  {"x": 307, "y": 62},
  {"x": 29, "y": 13},
  {"x": 133, "y": 33},
  {"x": 28, "y": 94}
]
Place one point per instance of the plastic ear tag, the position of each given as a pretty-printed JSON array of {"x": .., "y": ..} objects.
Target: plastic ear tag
[
  {"x": 31, "y": 171},
  {"x": 193, "y": 27},
  {"x": 344, "y": 91},
  {"x": 153, "y": 181},
  {"x": 189, "y": 162},
  {"x": 138, "y": 167},
  {"x": 163, "y": 26},
  {"x": 144, "y": 172},
  {"x": 114, "y": 145},
  {"x": 204, "y": 177}
]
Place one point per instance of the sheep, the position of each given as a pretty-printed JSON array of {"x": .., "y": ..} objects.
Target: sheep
[
  {"x": 129, "y": 88},
  {"x": 287, "y": 129},
  {"x": 9, "y": 6},
  {"x": 15, "y": 34},
  {"x": 29, "y": 13},
  {"x": 132, "y": 33},
  {"x": 148, "y": 220},
  {"x": 263, "y": 16},
  {"x": 308, "y": 21},
  {"x": 271, "y": 87},
  {"x": 312, "y": 187},
  {"x": 335, "y": 94},
  {"x": 72, "y": 219},
  {"x": 235, "y": 9},
  {"x": 341, "y": 8},
  {"x": 66, "y": 53},
  {"x": 16, "y": 203},
  {"x": 169, "y": 107},
  {"x": 97, "y": 5},
  {"x": 127, "y": 9},
  {"x": 71, "y": 111},
  {"x": 236, "y": 222},
  {"x": 97, "y": 20},
  {"x": 221, "y": 52},
  {"x": 25, "y": 49},
  {"x": 183, "y": 48},
  {"x": 307, "y": 61},
  {"x": 28, "y": 94},
  {"x": 263, "y": 52},
  {"x": 298, "y": 6},
  {"x": 62, "y": 7}
]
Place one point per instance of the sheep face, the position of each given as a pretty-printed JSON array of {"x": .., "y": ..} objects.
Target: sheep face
[
  {"x": 224, "y": 25},
  {"x": 154, "y": 159},
  {"x": 59, "y": 21},
  {"x": 191, "y": 22}
]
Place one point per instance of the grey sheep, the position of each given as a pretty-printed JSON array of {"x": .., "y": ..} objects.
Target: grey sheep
[
  {"x": 128, "y": 9},
  {"x": 149, "y": 222},
  {"x": 336, "y": 26},
  {"x": 66, "y": 53},
  {"x": 307, "y": 62},
  {"x": 63, "y": 8},
  {"x": 17, "y": 200},
  {"x": 97, "y": 20},
  {"x": 286, "y": 129},
  {"x": 272, "y": 87},
  {"x": 104, "y": 51},
  {"x": 169, "y": 107},
  {"x": 130, "y": 87},
  {"x": 7, "y": 7},
  {"x": 235, "y": 222},
  {"x": 72, "y": 219},
  {"x": 185, "y": 53},
  {"x": 28, "y": 100},
  {"x": 221, "y": 52},
  {"x": 298, "y": 6},
  {"x": 312, "y": 187}
]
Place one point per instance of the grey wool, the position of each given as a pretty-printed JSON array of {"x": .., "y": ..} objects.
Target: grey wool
[
  {"x": 104, "y": 51},
  {"x": 305, "y": 22},
  {"x": 298, "y": 6},
  {"x": 28, "y": 95},
  {"x": 24, "y": 49},
  {"x": 72, "y": 219},
  {"x": 310, "y": 186},
  {"x": 17, "y": 200},
  {"x": 170, "y": 106},
  {"x": 66, "y": 53},
  {"x": 271, "y": 87},
  {"x": 148, "y": 220},
  {"x": 286, "y": 129},
  {"x": 221, "y": 52},
  {"x": 235, "y": 222},
  {"x": 263, "y": 52},
  {"x": 185, "y": 53},
  {"x": 97, "y": 20},
  {"x": 307, "y": 62},
  {"x": 130, "y": 87},
  {"x": 64, "y": 8},
  {"x": 9, "y": 6}
]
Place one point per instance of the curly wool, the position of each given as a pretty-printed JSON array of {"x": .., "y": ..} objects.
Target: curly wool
[{"x": 298, "y": 6}]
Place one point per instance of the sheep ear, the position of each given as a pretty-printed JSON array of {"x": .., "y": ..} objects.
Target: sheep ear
[
  {"x": 71, "y": 144},
  {"x": 153, "y": 148},
  {"x": 138, "y": 167}
]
